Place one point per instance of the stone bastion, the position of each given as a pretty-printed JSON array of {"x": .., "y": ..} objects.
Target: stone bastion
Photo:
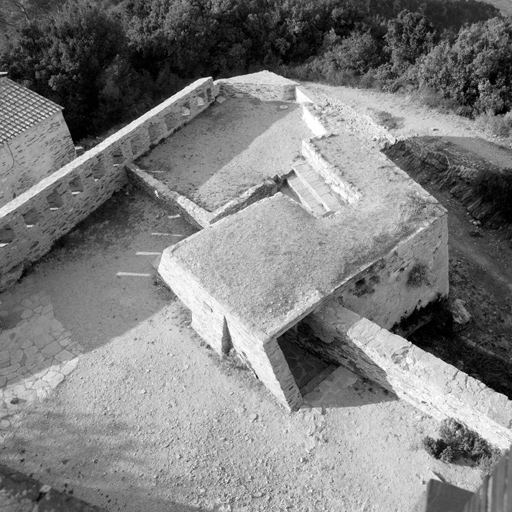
[{"x": 308, "y": 234}]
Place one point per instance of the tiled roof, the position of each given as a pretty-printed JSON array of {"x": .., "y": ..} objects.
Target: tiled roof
[{"x": 21, "y": 108}]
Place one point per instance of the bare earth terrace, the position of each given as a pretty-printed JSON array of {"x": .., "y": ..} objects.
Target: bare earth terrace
[{"x": 229, "y": 148}]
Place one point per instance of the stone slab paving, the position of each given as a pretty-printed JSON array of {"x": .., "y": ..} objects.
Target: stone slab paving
[
  {"x": 330, "y": 392},
  {"x": 36, "y": 351},
  {"x": 303, "y": 365}
]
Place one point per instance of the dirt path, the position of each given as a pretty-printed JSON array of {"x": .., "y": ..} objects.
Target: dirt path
[
  {"x": 412, "y": 118},
  {"x": 151, "y": 420}
]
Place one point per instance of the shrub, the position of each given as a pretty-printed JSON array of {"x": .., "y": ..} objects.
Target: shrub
[
  {"x": 475, "y": 70},
  {"x": 434, "y": 447},
  {"x": 497, "y": 125},
  {"x": 409, "y": 36},
  {"x": 388, "y": 120},
  {"x": 496, "y": 187},
  {"x": 458, "y": 441},
  {"x": 358, "y": 53}
]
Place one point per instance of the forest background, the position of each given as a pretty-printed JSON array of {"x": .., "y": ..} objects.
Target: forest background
[{"x": 108, "y": 61}]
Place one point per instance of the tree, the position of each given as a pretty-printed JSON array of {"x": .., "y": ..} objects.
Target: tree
[
  {"x": 63, "y": 57},
  {"x": 357, "y": 53},
  {"x": 476, "y": 70},
  {"x": 409, "y": 36}
]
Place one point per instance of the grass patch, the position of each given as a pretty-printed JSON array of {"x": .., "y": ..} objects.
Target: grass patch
[{"x": 388, "y": 120}]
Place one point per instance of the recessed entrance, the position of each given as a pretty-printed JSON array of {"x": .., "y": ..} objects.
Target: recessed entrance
[{"x": 307, "y": 369}]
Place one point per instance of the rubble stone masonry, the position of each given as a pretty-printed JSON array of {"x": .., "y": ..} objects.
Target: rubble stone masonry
[{"x": 33, "y": 155}]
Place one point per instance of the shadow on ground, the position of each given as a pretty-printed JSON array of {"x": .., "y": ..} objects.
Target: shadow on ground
[{"x": 107, "y": 456}]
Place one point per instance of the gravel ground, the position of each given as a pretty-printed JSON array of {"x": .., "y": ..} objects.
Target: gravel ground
[{"x": 151, "y": 420}]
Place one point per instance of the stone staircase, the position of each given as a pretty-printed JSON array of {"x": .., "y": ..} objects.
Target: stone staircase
[{"x": 312, "y": 190}]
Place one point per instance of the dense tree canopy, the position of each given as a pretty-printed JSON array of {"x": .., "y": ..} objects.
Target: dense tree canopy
[
  {"x": 410, "y": 35},
  {"x": 108, "y": 60},
  {"x": 64, "y": 58},
  {"x": 476, "y": 70}
]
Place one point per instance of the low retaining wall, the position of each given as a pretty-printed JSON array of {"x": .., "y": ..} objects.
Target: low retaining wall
[
  {"x": 169, "y": 199},
  {"x": 193, "y": 213},
  {"x": 267, "y": 188},
  {"x": 312, "y": 121},
  {"x": 20, "y": 493},
  {"x": 31, "y": 223},
  {"x": 422, "y": 379}
]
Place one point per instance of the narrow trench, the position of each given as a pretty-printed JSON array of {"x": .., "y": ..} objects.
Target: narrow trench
[{"x": 468, "y": 349}]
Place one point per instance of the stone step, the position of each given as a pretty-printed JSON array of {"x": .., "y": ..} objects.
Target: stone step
[
  {"x": 317, "y": 186},
  {"x": 304, "y": 194}
]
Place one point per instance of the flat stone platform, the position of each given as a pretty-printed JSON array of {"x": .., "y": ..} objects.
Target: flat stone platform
[
  {"x": 229, "y": 148},
  {"x": 273, "y": 262}
]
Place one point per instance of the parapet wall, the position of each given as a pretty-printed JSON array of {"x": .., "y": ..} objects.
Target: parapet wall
[
  {"x": 31, "y": 223},
  {"x": 192, "y": 212},
  {"x": 330, "y": 173},
  {"x": 428, "y": 383},
  {"x": 264, "y": 86}
]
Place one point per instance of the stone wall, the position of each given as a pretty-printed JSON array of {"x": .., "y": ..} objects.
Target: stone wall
[
  {"x": 267, "y": 188},
  {"x": 265, "y": 92},
  {"x": 223, "y": 330},
  {"x": 451, "y": 170},
  {"x": 433, "y": 386},
  {"x": 411, "y": 276},
  {"x": 169, "y": 199},
  {"x": 20, "y": 493},
  {"x": 31, "y": 223},
  {"x": 312, "y": 121},
  {"x": 33, "y": 155},
  {"x": 192, "y": 212}
]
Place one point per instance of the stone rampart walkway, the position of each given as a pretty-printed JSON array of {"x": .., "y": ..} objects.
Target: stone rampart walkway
[{"x": 36, "y": 352}]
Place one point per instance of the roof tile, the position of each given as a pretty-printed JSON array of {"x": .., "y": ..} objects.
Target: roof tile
[{"x": 21, "y": 108}]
